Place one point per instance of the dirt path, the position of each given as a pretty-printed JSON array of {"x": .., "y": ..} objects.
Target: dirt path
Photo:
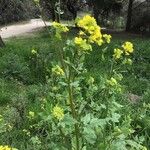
[
  {"x": 22, "y": 28},
  {"x": 26, "y": 28}
]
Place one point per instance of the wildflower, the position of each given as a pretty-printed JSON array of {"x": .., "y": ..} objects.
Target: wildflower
[
  {"x": 107, "y": 37},
  {"x": 90, "y": 26},
  {"x": 58, "y": 112},
  {"x": 82, "y": 43},
  {"x": 88, "y": 23},
  {"x": 31, "y": 114},
  {"x": 81, "y": 33},
  {"x": 96, "y": 36},
  {"x": 6, "y": 148},
  {"x": 117, "y": 53},
  {"x": 128, "y": 48},
  {"x": 57, "y": 70},
  {"x": 34, "y": 52},
  {"x": 144, "y": 148},
  {"x": 112, "y": 81},
  {"x": 60, "y": 27},
  {"x": 79, "y": 40},
  {"x": 26, "y": 132}
]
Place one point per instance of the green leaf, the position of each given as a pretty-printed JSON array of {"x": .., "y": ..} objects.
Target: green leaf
[
  {"x": 115, "y": 117},
  {"x": 89, "y": 135},
  {"x": 86, "y": 119}
]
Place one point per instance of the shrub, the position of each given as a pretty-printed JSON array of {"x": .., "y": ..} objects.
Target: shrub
[
  {"x": 13, "y": 67},
  {"x": 15, "y": 10}
]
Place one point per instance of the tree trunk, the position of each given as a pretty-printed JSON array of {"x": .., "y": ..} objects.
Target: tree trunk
[
  {"x": 129, "y": 15},
  {"x": 1, "y": 42},
  {"x": 72, "y": 7},
  {"x": 96, "y": 14}
]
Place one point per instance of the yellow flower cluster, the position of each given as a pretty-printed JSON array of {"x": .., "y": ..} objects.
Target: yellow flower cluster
[
  {"x": 7, "y": 148},
  {"x": 60, "y": 27},
  {"x": 114, "y": 84},
  {"x": 58, "y": 112},
  {"x": 112, "y": 81},
  {"x": 57, "y": 70},
  {"x": 127, "y": 50},
  {"x": 82, "y": 43},
  {"x": 34, "y": 52},
  {"x": 107, "y": 37},
  {"x": 92, "y": 32},
  {"x": 31, "y": 114},
  {"x": 117, "y": 53},
  {"x": 89, "y": 26}
]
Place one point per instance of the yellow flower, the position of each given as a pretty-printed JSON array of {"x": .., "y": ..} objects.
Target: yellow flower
[
  {"x": 6, "y": 148},
  {"x": 57, "y": 71},
  {"x": 87, "y": 23},
  {"x": 34, "y": 52},
  {"x": 81, "y": 33},
  {"x": 58, "y": 112},
  {"x": 78, "y": 40},
  {"x": 60, "y": 27},
  {"x": 112, "y": 81},
  {"x": 90, "y": 26},
  {"x": 107, "y": 37},
  {"x": 128, "y": 48},
  {"x": 96, "y": 36},
  {"x": 31, "y": 114},
  {"x": 82, "y": 43},
  {"x": 117, "y": 53}
]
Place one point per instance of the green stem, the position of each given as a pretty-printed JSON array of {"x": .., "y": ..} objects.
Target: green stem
[
  {"x": 73, "y": 111},
  {"x": 70, "y": 91},
  {"x": 112, "y": 64}
]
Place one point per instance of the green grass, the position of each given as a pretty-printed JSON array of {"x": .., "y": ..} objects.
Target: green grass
[{"x": 136, "y": 80}]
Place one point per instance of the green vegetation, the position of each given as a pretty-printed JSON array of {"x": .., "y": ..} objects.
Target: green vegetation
[{"x": 29, "y": 96}]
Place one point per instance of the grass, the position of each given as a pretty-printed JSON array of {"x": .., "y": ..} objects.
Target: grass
[{"x": 136, "y": 80}]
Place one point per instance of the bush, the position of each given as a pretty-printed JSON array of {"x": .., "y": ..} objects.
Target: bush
[
  {"x": 13, "y": 67},
  {"x": 16, "y": 10}
]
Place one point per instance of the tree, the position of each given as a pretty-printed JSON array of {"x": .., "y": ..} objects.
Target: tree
[
  {"x": 104, "y": 7},
  {"x": 129, "y": 15},
  {"x": 1, "y": 42},
  {"x": 16, "y": 10},
  {"x": 72, "y": 6},
  {"x": 49, "y": 8}
]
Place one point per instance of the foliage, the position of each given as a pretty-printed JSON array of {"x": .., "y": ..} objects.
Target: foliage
[
  {"x": 16, "y": 10},
  {"x": 105, "y": 7}
]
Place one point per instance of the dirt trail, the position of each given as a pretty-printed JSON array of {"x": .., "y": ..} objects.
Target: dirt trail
[
  {"x": 26, "y": 28},
  {"x": 22, "y": 28}
]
